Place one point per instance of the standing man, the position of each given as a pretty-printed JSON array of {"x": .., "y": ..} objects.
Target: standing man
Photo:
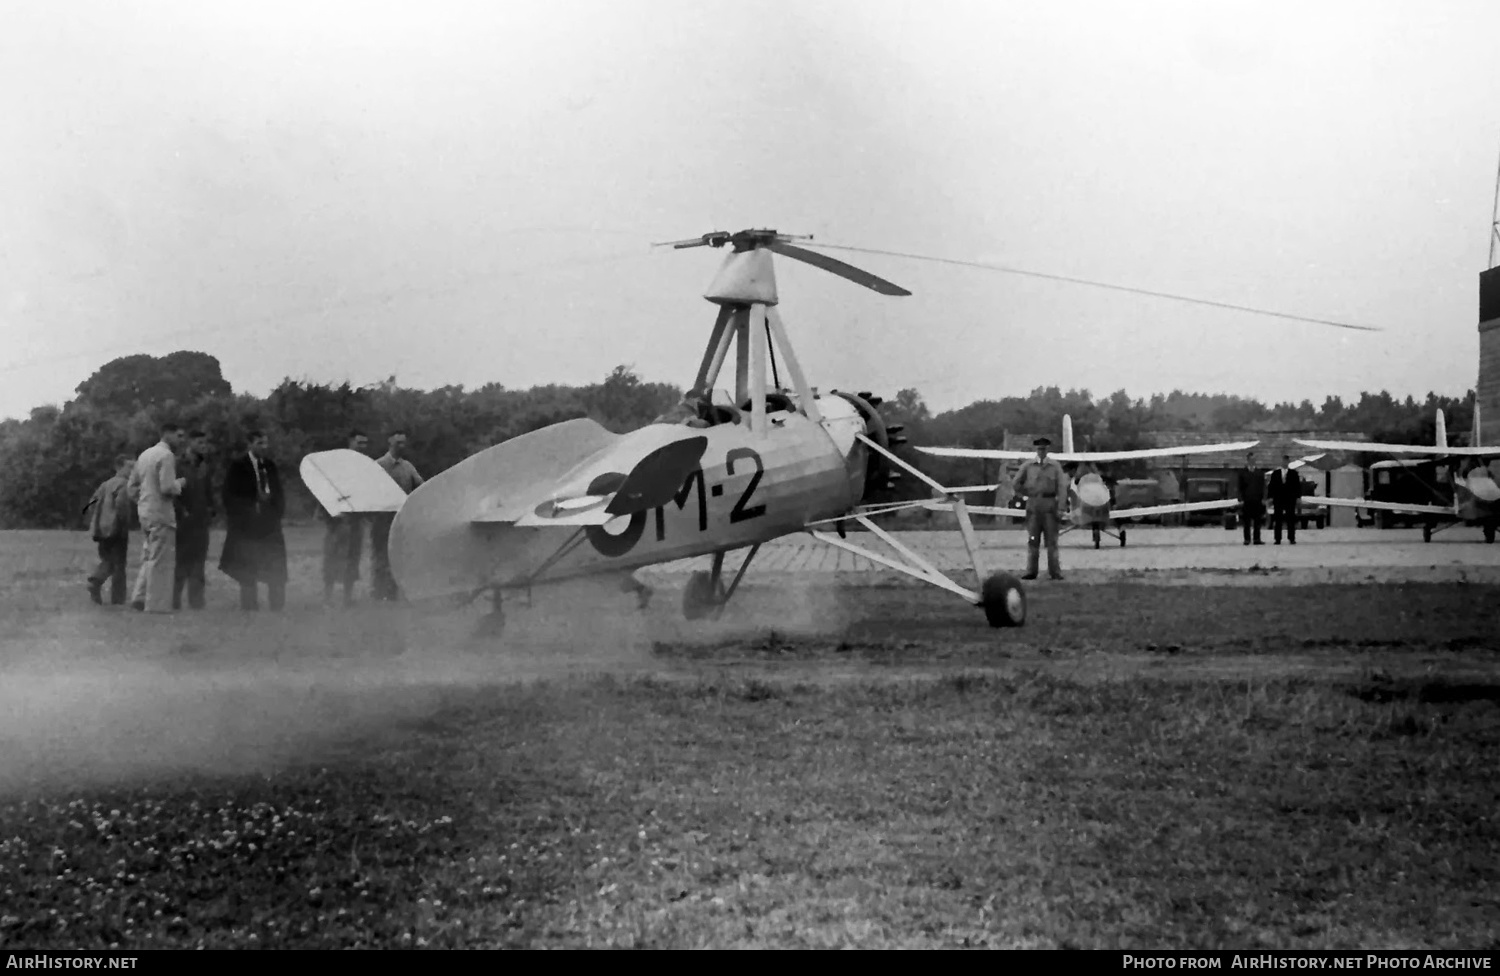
[
  {"x": 109, "y": 526},
  {"x": 154, "y": 485},
  {"x": 1285, "y": 489},
  {"x": 1252, "y": 491},
  {"x": 343, "y": 543},
  {"x": 1041, "y": 482},
  {"x": 401, "y": 471},
  {"x": 255, "y": 550},
  {"x": 195, "y": 512}
]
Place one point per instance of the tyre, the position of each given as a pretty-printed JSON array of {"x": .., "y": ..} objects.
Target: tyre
[
  {"x": 1489, "y": 532},
  {"x": 1122, "y": 538},
  {"x": 1003, "y": 600},
  {"x": 1426, "y": 531}
]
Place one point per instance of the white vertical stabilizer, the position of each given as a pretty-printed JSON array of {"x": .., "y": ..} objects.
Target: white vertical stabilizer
[{"x": 1067, "y": 444}]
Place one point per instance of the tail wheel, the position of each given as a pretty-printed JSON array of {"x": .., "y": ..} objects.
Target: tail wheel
[
  {"x": 1003, "y": 600},
  {"x": 1122, "y": 538},
  {"x": 1426, "y": 531},
  {"x": 1489, "y": 532}
]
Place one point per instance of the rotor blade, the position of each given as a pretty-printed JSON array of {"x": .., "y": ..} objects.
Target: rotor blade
[
  {"x": 1102, "y": 284},
  {"x": 837, "y": 267}
]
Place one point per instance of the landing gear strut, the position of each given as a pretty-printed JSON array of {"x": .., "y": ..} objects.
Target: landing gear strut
[
  {"x": 492, "y": 624},
  {"x": 706, "y": 593}
]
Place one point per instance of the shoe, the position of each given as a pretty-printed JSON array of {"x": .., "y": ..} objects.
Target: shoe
[
  {"x": 1247, "y": 542},
  {"x": 1259, "y": 543},
  {"x": 138, "y": 605},
  {"x": 1056, "y": 576},
  {"x": 1278, "y": 542},
  {"x": 95, "y": 595},
  {"x": 1029, "y": 576}
]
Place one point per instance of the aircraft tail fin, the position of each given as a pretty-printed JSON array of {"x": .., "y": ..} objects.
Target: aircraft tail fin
[
  {"x": 1442, "y": 429},
  {"x": 1474, "y": 429},
  {"x": 1067, "y": 434}
]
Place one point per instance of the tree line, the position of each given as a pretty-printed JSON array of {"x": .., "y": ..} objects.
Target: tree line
[{"x": 53, "y": 460}]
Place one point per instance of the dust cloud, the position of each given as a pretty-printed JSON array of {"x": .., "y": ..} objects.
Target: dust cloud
[
  {"x": 117, "y": 697},
  {"x": 123, "y": 696}
]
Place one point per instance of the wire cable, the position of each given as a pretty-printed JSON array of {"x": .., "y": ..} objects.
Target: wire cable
[{"x": 1098, "y": 284}]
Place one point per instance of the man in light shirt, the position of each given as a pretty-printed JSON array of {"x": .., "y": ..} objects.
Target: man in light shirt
[
  {"x": 402, "y": 472},
  {"x": 154, "y": 486}
]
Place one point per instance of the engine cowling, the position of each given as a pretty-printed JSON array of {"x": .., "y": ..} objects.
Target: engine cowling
[{"x": 880, "y": 475}]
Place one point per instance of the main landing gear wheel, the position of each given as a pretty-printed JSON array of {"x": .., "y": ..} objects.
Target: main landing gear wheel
[
  {"x": 702, "y": 598},
  {"x": 1003, "y": 600}
]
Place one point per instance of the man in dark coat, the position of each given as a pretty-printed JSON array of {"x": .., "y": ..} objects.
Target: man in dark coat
[
  {"x": 1285, "y": 489},
  {"x": 255, "y": 550},
  {"x": 195, "y": 512},
  {"x": 1252, "y": 491}
]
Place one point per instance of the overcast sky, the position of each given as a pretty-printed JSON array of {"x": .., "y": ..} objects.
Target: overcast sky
[{"x": 455, "y": 192}]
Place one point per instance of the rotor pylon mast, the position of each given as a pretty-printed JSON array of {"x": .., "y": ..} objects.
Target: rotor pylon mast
[{"x": 1495, "y": 219}]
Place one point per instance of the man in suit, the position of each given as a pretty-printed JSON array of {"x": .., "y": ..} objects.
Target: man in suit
[
  {"x": 1285, "y": 489},
  {"x": 1042, "y": 482},
  {"x": 255, "y": 549},
  {"x": 1251, "y": 484},
  {"x": 195, "y": 512}
]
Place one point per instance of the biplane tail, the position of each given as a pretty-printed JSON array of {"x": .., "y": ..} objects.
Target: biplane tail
[
  {"x": 452, "y": 534},
  {"x": 1442, "y": 429},
  {"x": 347, "y": 482}
]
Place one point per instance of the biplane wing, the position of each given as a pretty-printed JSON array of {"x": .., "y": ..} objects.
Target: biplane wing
[
  {"x": 1095, "y": 457},
  {"x": 1172, "y": 508},
  {"x": 1368, "y": 447},
  {"x": 1384, "y": 506}
]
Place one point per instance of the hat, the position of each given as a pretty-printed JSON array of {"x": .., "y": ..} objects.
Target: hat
[{"x": 1042, "y": 442}]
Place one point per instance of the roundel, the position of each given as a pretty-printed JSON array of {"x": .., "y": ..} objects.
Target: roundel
[{"x": 620, "y": 541}]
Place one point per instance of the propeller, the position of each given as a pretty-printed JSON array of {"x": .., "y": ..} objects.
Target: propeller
[{"x": 780, "y": 243}]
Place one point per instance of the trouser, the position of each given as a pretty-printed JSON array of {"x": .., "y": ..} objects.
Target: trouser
[
  {"x": 343, "y": 543},
  {"x": 383, "y": 586},
  {"x": 1041, "y": 524},
  {"x": 275, "y": 595},
  {"x": 153, "y": 584},
  {"x": 189, "y": 576},
  {"x": 1250, "y": 515},
  {"x": 112, "y": 556},
  {"x": 1284, "y": 515}
]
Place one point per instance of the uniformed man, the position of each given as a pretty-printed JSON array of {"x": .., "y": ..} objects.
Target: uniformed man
[
  {"x": 1285, "y": 490},
  {"x": 1250, "y": 483},
  {"x": 1041, "y": 481}
]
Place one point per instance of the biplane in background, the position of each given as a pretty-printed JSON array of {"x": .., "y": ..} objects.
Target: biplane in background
[
  {"x": 1089, "y": 503},
  {"x": 731, "y": 472},
  {"x": 1476, "y": 495}
]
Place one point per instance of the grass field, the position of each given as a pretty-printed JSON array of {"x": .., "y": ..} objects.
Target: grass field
[{"x": 1140, "y": 766}]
